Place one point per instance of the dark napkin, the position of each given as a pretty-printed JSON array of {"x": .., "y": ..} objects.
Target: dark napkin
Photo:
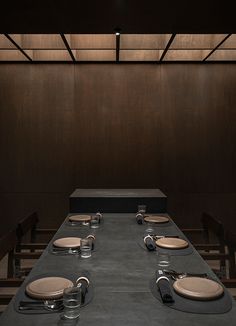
[
  {"x": 92, "y": 237},
  {"x": 164, "y": 288},
  {"x": 150, "y": 243},
  {"x": 84, "y": 287},
  {"x": 139, "y": 218},
  {"x": 100, "y": 216}
]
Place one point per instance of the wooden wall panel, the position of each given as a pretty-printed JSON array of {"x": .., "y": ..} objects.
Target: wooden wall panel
[
  {"x": 117, "y": 143},
  {"x": 118, "y": 126}
]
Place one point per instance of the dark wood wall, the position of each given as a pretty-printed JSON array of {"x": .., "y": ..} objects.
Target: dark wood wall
[{"x": 118, "y": 126}]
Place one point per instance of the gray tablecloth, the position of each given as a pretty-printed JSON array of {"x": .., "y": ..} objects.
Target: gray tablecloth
[{"x": 121, "y": 273}]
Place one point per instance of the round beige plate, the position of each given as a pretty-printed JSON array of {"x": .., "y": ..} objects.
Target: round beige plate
[
  {"x": 70, "y": 242},
  {"x": 80, "y": 218},
  {"x": 48, "y": 287},
  {"x": 156, "y": 219},
  {"x": 198, "y": 288},
  {"x": 172, "y": 243}
]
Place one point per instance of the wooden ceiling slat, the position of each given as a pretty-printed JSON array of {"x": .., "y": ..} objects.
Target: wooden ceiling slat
[
  {"x": 223, "y": 55},
  {"x": 12, "y": 55},
  {"x": 91, "y": 41},
  {"x": 38, "y": 41},
  {"x": 186, "y": 55},
  {"x": 144, "y": 41},
  {"x": 140, "y": 55},
  {"x": 95, "y": 55},
  {"x": 196, "y": 41},
  {"x": 49, "y": 55}
]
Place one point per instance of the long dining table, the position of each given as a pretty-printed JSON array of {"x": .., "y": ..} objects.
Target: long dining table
[{"x": 120, "y": 271}]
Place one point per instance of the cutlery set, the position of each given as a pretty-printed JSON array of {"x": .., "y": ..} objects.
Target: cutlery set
[
  {"x": 69, "y": 251},
  {"x": 175, "y": 275},
  {"x": 50, "y": 305}
]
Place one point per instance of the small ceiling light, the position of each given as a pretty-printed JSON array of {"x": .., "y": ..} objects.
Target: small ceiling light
[{"x": 117, "y": 30}]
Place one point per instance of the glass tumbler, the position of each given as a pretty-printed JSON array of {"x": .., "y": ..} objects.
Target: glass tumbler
[
  {"x": 86, "y": 247},
  {"x": 72, "y": 302},
  {"x": 94, "y": 222},
  {"x": 163, "y": 259}
]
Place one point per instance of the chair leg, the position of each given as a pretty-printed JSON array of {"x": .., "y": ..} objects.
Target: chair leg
[
  {"x": 33, "y": 237},
  {"x": 10, "y": 264},
  {"x": 222, "y": 262},
  {"x": 232, "y": 267}
]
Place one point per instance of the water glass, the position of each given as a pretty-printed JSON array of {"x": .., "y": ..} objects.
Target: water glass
[
  {"x": 72, "y": 302},
  {"x": 86, "y": 247},
  {"x": 94, "y": 222},
  {"x": 149, "y": 229},
  {"x": 142, "y": 208},
  {"x": 163, "y": 259}
]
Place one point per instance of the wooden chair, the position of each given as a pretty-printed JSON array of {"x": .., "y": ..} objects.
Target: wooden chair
[
  {"x": 212, "y": 228},
  {"x": 7, "y": 245},
  {"x": 28, "y": 226}
]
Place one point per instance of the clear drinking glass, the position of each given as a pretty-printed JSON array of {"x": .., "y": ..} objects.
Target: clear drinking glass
[
  {"x": 142, "y": 209},
  {"x": 163, "y": 259},
  {"x": 94, "y": 222},
  {"x": 149, "y": 229},
  {"x": 72, "y": 302},
  {"x": 86, "y": 247}
]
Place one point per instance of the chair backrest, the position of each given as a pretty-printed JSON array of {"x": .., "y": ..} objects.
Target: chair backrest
[
  {"x": 212, "y": 225},
  {"x": 27, "y": 224},
  {"x": 7, "y": 243}
]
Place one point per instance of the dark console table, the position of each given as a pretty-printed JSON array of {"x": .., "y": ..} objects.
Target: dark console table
[{"x": 117, "y": 200}]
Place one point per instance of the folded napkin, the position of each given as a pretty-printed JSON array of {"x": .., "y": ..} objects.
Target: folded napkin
[
  {"x": 164, "y": 288},
  {"x": 150, "y": 243},
  {"x": 139, "y": 218},
  {"x": 100, "y": 216},
  {"x": 84, "y": 284},
  {"x": 92, "y": 237}
]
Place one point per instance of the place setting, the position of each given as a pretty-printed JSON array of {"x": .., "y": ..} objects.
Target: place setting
[
  {"x": 55, "y": 293},
  {"x": 152, "y": 220},
  {"x": 94, "y": 221},
  {"x": 172, "y": 244},
  {"x": 190, "y": 292},
  {"x": 82, "y": 247}
]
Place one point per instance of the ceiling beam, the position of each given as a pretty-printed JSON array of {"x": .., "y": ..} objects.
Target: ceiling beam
[
  {"x": 212, "y": 51},
  {"x": 167, "y": 46},
  {"x": 18, "y": 47},
  {"x": 68, "y": 47}
]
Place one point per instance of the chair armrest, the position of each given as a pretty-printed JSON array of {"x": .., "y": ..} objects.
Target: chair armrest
[
  {"x": 206, "y": 246},
  {"x": 192, "y": 230},
  {"x": 214, "y": 256},
  {"x": 230, "y": 283},
  {"x": 5, "y": 298},
  {"x": 27, "y": 255},
  {"x": 10, "y": 282},
  {"x": 45, "y": 231},
  {"x": 34, "y": 246}
]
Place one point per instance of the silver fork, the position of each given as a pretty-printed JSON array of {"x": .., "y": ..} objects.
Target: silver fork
[
  {"x": 68, "y": 251},
  {"x": 175, "y": 275},
  {"x": 51, "y": 305}
]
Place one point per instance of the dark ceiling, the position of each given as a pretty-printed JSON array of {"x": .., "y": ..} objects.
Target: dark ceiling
[{"x": 103, "y": 16}]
